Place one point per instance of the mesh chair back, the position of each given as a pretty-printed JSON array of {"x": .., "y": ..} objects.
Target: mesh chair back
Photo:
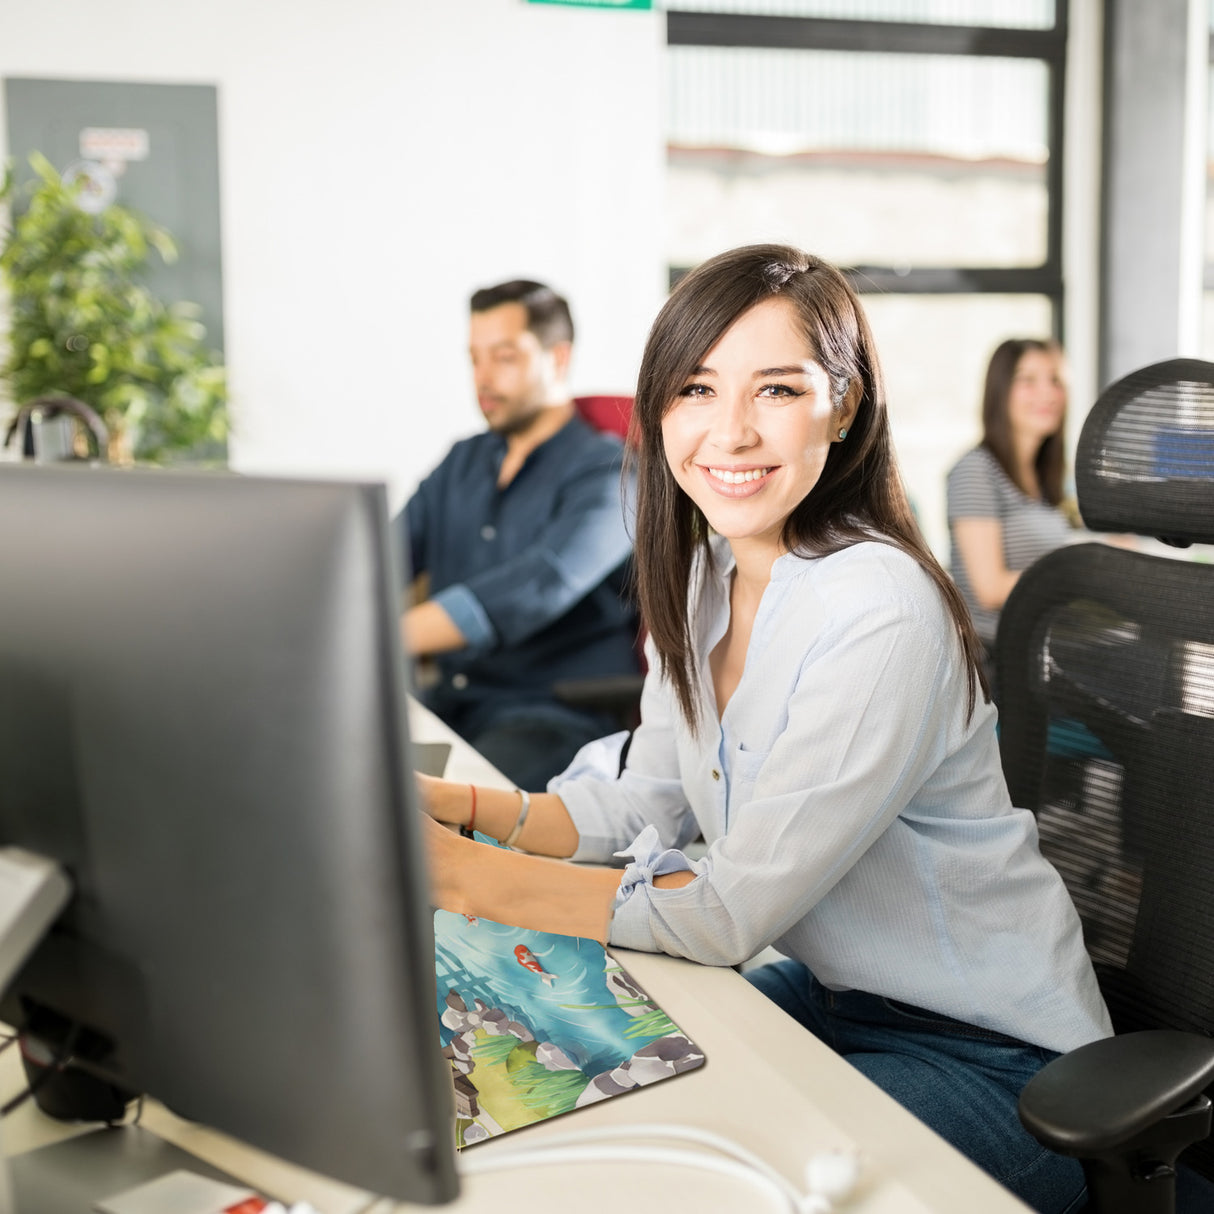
[
  {"x": 1106, "y": 669},
  {"x": 1145, "y": 461}
]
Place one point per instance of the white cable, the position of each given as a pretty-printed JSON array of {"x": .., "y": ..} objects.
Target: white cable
[
  {"x": 640, "y": 1154},
  {"x": 707, "y": 1138},
  {"x": 827, "y": 1184}
]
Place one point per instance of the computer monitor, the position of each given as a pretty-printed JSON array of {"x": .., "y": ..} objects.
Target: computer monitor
[{"x": 203, "y": 720}]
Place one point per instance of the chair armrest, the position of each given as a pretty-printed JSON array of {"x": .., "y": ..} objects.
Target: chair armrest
[
  {"x": 614, "y": 693},
  {"x": 1103, "y": 1094}
]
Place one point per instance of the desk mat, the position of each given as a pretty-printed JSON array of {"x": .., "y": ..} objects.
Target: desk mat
[{"x": 535, "y": 1025}]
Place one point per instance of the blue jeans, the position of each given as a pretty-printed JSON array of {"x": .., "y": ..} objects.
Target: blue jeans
[{"x": 962, "y": 1081}]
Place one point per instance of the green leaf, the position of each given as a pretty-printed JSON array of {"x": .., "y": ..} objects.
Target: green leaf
[{"x": 83, "y": 322}]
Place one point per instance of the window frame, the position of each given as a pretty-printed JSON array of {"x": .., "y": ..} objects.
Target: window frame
[
  {"x": 1207, "y": 284},
  {"x": 1048, "y": 45}
]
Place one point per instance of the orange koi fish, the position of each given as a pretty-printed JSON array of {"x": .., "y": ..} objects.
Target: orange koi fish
[{"x": 526, "y": 958}]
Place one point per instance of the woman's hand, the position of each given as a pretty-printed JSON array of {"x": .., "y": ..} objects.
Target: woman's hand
[
  {"x": 548, "y": 895},
  {"x": 443, "y": 861},
  {"x": 444, "y": 800},
  {"x": 427, "y": 786}
]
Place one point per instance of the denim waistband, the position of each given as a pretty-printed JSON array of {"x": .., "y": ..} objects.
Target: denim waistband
[{"x": 866, "y": 1008}]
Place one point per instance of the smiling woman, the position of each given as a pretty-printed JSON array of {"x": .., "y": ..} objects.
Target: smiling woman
[
  {"x": 806, "y": 319},
  {"x": 747, "y": 439},
  {"x": 813, "y": 711},
  {"x": 747, "y": 436}
]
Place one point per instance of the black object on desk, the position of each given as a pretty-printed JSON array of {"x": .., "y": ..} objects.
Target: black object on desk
[
  {"x": 202, "y": 720},
  {"x": 1114, "y": 649}
]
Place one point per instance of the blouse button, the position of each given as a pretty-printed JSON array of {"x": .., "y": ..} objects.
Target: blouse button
[
  {"x": 716, "y": 775},
  {"x": 459, "y": 681},
  {"x": 488, "y": 531}
]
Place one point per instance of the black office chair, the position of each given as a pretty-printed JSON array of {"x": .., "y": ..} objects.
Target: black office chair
[
  {"x": 1105, "y": 660},
  {"x": 55, "y": 428}
]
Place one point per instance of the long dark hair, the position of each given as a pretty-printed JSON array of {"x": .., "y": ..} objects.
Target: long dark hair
[
  {"x": 859, "y": 495},
  {"x": 1050, "y": 463}
]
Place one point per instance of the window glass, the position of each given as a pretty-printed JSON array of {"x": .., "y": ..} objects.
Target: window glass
[
  {"x": 1009, "y": 14},
  {"x": 933, "y": 351},
  {"x": 867, "y": 159},
  {"x": 1207, "y": 309}
]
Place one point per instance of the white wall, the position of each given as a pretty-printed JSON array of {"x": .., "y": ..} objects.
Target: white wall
[{"x": 379, "y": 160}]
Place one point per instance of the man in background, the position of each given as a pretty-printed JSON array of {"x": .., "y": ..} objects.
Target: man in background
[{"x": 521, "y": 532}]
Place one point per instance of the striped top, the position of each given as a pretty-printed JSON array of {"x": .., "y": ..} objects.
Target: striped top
[{"x": 979, "y": 488}]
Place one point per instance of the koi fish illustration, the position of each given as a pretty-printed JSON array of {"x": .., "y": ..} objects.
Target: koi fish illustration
[{"x": 527, "y": 959}]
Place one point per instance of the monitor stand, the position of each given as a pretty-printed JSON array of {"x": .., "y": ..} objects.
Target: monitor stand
[{"x": 68, "y": 1177}]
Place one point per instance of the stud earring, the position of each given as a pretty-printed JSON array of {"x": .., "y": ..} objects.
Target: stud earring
[{"x": 842, "y": 433}]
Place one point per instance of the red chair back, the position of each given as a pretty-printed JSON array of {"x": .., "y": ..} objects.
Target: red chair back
[{"x": 611, "y": 414}]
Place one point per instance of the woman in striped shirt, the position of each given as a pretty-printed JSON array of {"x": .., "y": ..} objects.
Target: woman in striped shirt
[{"x": 1005, "y": 497}]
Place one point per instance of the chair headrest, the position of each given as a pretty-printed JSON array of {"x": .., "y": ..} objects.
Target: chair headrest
[
  {"x": 21, "y": 433},
  {"x": 1145, "y": 460},
  {"x": 610, "y": 414}
]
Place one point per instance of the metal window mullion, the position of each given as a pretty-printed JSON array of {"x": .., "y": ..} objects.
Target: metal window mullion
[
  {"x": 944, "y": 280},
  {"x": 956, "y": 280},
  {"x": 1055, "y": 149},
  {"x": 744, "y": 30},
  {"x": 838, "y": 34}
]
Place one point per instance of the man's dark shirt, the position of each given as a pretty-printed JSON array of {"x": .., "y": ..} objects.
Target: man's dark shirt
[{"x": 533, "y": 575}]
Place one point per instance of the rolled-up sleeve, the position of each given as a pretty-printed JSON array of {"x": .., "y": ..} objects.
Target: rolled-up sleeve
[
  {"x": 866, "y": 723},
  {"x": 648, "y": 858},
  {"x": 468, "y": 615}
]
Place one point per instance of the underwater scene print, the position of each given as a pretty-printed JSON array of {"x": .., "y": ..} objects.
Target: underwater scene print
[{"x": 534, "y": 1025}]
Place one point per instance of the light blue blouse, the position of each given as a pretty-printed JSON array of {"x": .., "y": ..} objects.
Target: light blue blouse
[{"x": 855, "y": 818}]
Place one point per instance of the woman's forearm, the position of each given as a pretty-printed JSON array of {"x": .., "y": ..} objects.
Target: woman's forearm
[
  {"x": 980, "y": 543},
  {"x": 548, "y": 830},
  {"x": 523, "y": 890}
]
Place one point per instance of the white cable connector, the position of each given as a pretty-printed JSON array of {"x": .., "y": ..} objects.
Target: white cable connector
[{"x": 830, "y": 1176}]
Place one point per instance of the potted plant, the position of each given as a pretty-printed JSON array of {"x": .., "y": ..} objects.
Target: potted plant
[{"x": 82, "y": 325}]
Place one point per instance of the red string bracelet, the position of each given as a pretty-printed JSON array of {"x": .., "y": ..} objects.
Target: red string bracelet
[{"x": 472, "y": 816}]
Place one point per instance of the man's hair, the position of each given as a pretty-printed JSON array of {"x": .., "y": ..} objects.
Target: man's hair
[{"x": 548, "y": 315}]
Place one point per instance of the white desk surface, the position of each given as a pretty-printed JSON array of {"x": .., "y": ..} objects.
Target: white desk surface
[{"x": 767, "y": 1083}]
